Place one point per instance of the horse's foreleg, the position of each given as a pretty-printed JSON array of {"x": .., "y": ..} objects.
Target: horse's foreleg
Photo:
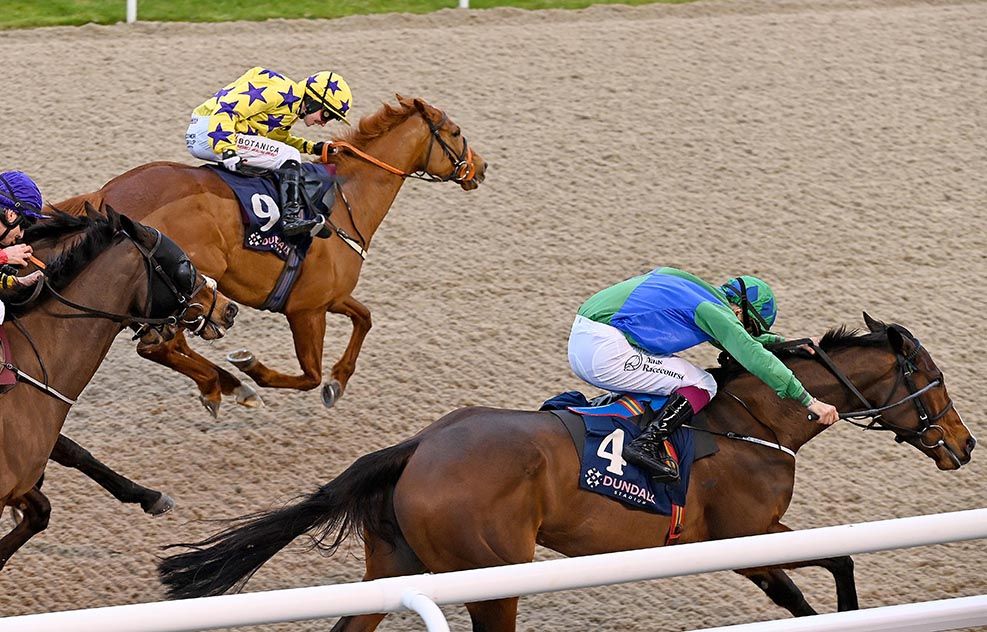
[
  {"x": 308, "y": 329},
  {"x": 36, "y": 510},
  {"x": 841, "y": 568},
  {"x": 203, "y": 373},
  {"x": 780, "y": 588},
  {"x": 229, "y": 384},
  {"x": 360, "y": 316},
  {"x": 70, "y": 454}
]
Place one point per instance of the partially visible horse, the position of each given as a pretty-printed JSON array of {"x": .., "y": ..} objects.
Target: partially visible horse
[
  {"x": 199, "y": 211},
  {"x": 102, "y": 274},
  {"x": 481, "y": 486}
]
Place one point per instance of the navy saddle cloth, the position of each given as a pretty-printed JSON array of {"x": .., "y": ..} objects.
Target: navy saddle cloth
[
  {"x": 600, "y": 434},
  {"x": 260, "y": 206}
]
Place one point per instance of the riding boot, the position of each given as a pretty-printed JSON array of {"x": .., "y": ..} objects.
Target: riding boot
[
  {"x": 291, "y": 196},
  {"x": 648, "y": 449}
]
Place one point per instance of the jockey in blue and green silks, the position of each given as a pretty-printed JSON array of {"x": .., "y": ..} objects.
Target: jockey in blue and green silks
[{"x": 625, "y": 338}]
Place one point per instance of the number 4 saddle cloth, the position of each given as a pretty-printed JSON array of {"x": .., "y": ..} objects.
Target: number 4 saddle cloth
[{"x": 600, "y": 434}]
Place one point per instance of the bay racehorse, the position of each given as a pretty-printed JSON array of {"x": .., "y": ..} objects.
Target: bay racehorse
[
  {"x": 103, "y": 273},
  {"x": 199, "y": 211},
  {"x": 481, "y": 486}
]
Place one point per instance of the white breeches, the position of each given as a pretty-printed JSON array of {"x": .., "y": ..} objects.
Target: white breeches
[
  {"x": 256, "y": 151},
  {"x": 601, "y": 355}
]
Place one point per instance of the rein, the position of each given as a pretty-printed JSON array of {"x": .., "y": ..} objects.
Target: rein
[{"x": 146, "y": 322}]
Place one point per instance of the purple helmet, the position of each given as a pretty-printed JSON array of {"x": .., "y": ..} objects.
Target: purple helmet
[{"x": 19, "y": 193}]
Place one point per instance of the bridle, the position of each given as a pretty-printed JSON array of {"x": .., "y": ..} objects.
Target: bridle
[
  {"x": 171, "y": 301},
  {"x": 906, "y": 366},
  {"x": 463, "y": 164},
  {"x": 463, "y": 170},
  {"x": 177, "y": 301}
]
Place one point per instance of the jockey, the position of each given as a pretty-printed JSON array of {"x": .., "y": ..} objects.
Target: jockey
[
  {"x": 625, "y": 339},
  {"x": 249, "y": 121},
  {"x": 20, "y": 206}
]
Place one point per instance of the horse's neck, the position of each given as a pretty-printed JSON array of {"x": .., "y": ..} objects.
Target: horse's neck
[
  {"x": 792, "y": 426},
  {"x": 371, "y": 190},
  {"x": 73, "y": 347}
]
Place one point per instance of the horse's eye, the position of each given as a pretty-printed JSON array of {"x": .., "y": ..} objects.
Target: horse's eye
[{"x": 457, "y": 133}]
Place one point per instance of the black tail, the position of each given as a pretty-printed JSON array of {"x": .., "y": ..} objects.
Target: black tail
[{"x": 353, "y": 501}]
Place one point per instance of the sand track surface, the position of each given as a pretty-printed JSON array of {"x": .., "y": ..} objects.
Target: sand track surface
[{"x": 835, "y": 148}]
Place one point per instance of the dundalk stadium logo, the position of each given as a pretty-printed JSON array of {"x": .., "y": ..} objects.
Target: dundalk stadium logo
[{"x": 593, "y": 477}]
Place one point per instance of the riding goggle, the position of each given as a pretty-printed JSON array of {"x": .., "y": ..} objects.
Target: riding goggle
[{"x": 19, "y": 219}]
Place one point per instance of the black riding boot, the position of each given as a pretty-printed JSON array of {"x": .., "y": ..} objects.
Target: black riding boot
[
  {"x": 648, "y": 449},
  {"x": 291, "y": 195}
]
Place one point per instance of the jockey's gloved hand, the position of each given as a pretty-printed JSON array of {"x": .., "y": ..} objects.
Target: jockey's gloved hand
[
  {"x": 231, "y": 160},
  {"x": 318, "y": 148}
]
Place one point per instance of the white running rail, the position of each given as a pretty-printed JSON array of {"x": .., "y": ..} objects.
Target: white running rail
[{"x": 423, "y": 592}]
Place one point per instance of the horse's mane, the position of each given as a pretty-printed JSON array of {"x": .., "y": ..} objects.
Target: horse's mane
[
  {"x": 837, "y": 338},
  {"x": 93, "y": 236},
  {"x": 373, "y": 125}
]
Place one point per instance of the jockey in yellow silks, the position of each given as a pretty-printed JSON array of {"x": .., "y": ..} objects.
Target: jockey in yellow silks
[{"x": 249, "y": 122}]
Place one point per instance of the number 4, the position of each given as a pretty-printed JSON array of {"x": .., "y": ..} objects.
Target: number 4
[{"x": 617, "y": 462}]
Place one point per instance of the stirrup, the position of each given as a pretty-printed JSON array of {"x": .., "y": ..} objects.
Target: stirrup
[{"x": 297, "y": 226}]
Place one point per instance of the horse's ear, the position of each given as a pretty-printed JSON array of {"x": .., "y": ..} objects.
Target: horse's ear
[
  {"x": 873, "y": 325},
  {"x": 896, "y": 339},
  {"x": 403, "y": 100},
  {"x": 91, "y": 213},
  {"x": 421, "y": 106},
  {"x": 112, "y": 216}
]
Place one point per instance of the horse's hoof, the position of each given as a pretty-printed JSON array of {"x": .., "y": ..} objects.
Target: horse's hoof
[
  {"x": 162, "y": 505},
  {"x": 211, "y": 406},
  {"x": 242, "y": 359},
  {"x": 247, "y": 396},
  {"x": 331, "y": 393}
]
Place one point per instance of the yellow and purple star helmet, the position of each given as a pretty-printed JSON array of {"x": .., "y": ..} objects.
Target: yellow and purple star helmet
[{"x": 330, "y": 92}]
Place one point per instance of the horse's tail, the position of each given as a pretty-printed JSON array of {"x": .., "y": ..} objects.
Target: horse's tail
[{"x": 353, "y": 501}]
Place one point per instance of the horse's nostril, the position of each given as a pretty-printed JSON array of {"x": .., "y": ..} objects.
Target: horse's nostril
[
  {"x": 231, "y": 311},
  {"x": 971, "y": 443}
]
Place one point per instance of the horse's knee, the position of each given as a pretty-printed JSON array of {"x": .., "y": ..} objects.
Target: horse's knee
[{"x": 37, "y": 511}]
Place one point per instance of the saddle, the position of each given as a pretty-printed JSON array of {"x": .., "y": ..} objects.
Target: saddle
[{"x": 259, "y": 195}]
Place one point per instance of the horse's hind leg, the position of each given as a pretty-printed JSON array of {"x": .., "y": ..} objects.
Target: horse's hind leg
[
  {"x": 70, "y": 454},
  {"x": 37, "y": 510},
  {"x": 383, "y": 560}
]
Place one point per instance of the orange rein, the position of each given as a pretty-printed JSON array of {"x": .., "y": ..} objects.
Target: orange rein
[
  {"x": 335, "y": 146},
  {"x": 38, "y": 262}
]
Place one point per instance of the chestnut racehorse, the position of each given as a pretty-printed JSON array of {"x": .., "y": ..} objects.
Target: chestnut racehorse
[
  {"x": 481, "y": 486},
  {"x": 102, "y": 274},
  {"x": 199, "y": 211}
]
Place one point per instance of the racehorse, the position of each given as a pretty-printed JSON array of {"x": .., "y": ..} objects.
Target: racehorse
[
  {"x": 482, "y": 486},
  {"x": 64, "y": 328},
  {"x": 199, "y": 211}
]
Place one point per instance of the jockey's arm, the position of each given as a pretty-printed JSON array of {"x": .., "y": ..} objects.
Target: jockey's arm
[
  {"x": 283, "y": 134},
  {"x": 722, "y": 325}
]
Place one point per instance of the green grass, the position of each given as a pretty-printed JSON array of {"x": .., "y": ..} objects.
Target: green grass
[{"x": 30, "y": 13}]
